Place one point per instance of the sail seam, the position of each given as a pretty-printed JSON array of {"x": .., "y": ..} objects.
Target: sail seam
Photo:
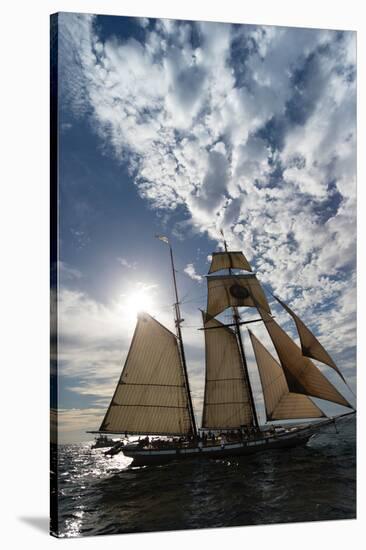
[{"x": 272, "y": 381}]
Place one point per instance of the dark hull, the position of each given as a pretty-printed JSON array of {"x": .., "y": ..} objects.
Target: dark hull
[{"x": 143, "y": 457}]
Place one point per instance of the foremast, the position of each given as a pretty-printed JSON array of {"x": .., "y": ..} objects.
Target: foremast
[
  {"x": 152, "y": 396},
  {"x": 178, "y": 320}
]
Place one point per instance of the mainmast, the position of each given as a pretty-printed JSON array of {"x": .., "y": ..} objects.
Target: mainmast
[
  {"x": 178, "y": 321},
  {"x": 236, "y": 318},
  {"x": 292, "y": 381}
]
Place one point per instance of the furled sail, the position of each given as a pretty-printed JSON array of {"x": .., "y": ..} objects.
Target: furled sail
[
  {"x": 234, "y": 290},
  {"x": 226, "y": 399},
  {"x": 229, "y": 260},
  {"x": 301, "y": 374},
  {"x": 310, "y": 345},
  {"x": 279, "y": 402},
  {"x": 151, "y": 395}
]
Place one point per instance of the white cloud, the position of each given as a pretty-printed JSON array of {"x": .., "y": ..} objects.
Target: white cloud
[
  {"x": 191, "y": 272},
  {"x": 126, "y": 263}
]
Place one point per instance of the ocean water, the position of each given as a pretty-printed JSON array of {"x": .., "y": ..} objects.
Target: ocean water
[{"x": 97, "y": 495}]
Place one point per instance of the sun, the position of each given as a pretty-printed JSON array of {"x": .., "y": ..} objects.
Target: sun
[{"x": 138, "y": 299}]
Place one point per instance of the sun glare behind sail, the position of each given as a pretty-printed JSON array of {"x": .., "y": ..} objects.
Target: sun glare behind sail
[{"x": 138, "y": 299}]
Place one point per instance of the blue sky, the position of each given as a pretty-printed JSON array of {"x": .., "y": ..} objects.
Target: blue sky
[{"x": 187, "y": 128}]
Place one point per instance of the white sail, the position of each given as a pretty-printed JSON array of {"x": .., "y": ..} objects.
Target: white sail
[
  {"x": 151, "y": 395},
  {"x": 233, "y": 291},
  {"x": 226, "y": 399},
  {"x": 301, "y": 374},
  {"x": 229, "y": 260},
  {"x": 280, "y": 403},
  {"x": 310, "y": 345}
]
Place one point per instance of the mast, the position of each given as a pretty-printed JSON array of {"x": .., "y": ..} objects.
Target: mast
[
  {"x": 178, "y": 321},
  {"x": 236, "y": 318}
]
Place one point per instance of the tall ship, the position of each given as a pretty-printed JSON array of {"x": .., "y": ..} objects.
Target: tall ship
[{"x": 153, "y": 399}]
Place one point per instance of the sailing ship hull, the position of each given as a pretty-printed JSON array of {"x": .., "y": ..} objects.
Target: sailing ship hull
[{"x": 146, "y": 456}]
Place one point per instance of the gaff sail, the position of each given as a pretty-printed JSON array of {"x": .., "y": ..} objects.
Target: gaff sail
[
  {"x": 280, "y": 403},
  {"x": 151, "y": 395},
  {"x": 226, "y": 399}
]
